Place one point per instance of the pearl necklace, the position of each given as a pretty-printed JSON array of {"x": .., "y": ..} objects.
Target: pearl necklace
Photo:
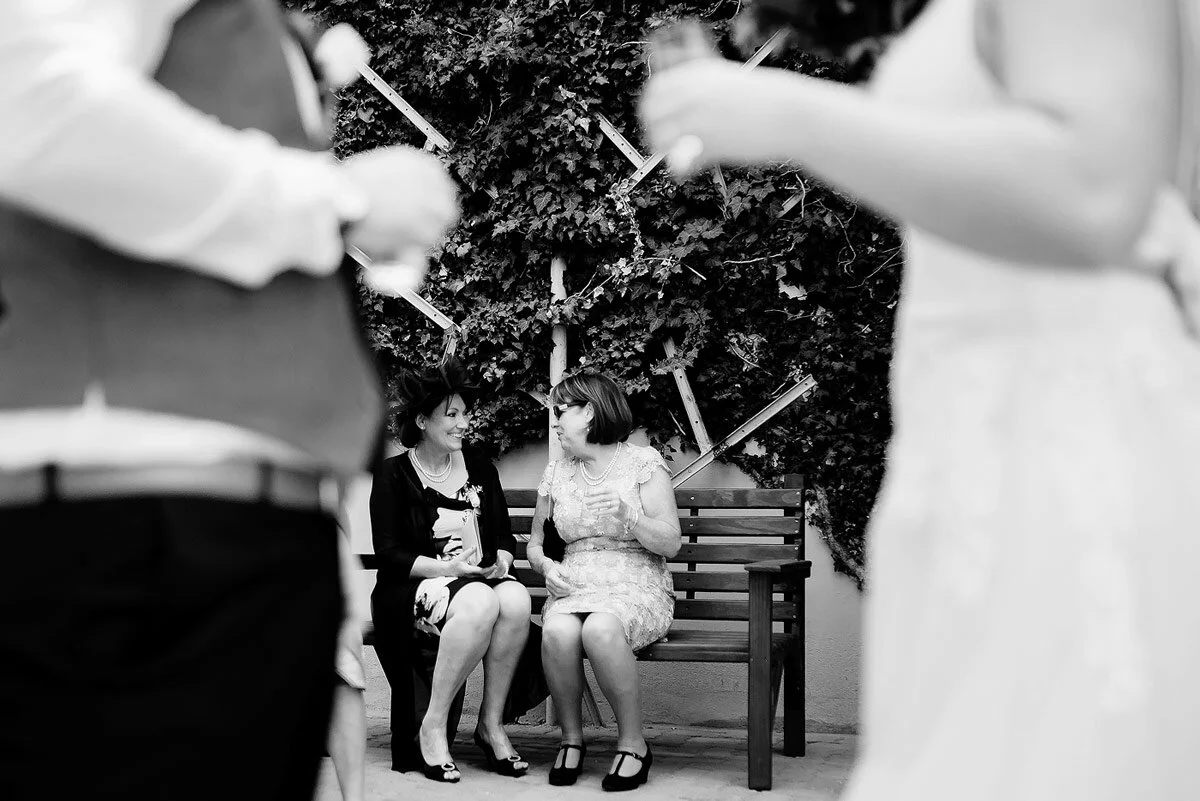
[
  {"x": 434, "y": 477},
  {"x": 596, "y": 481}
]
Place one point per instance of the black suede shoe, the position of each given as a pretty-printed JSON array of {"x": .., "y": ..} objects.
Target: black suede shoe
[
  {"x": 561, "y": 777},
  {"x": 615, "y": 782}
]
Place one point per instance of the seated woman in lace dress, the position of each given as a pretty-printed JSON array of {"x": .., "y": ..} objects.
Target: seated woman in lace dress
[
  {"x": 444, "y": 599},
  {"x": 611, "y": 594}
]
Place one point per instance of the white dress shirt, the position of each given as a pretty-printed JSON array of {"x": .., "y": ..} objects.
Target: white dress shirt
[{"x": 91, "y": 141}]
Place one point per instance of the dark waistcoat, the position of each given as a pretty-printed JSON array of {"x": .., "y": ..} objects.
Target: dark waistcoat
[{"x": 287, "y": 360}]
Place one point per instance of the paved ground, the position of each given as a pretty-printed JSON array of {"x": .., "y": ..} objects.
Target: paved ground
[{"x": 689, "y": 764}]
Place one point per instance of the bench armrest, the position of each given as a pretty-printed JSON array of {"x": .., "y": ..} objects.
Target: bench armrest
[{"x": 781, "y": 570}]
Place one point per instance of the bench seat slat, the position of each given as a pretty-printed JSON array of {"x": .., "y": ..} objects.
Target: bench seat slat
[{"x": 694, "y": 645}]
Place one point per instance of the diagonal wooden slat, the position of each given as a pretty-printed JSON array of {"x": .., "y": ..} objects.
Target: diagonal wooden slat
[
  {"x": 421, "y": 304},
  {"x": 431, "y": 134},
  {"x": 620, "y": 141},
  {"x": 689, "y": 400},
  {"x": 800, "y": 389}
]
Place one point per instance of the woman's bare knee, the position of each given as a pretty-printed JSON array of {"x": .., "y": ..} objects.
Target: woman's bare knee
[
  {"x": 514, "y": 600},
  {"x": 475, "y": 603},
  {"x": 560, "y": 633},
  {"x": 603, "y": 632}
]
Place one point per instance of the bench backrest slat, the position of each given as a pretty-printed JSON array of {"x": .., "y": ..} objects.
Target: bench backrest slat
[
  {"x": 720, "y": 554},
  {"x": 732, "y": 580},
  {"x": 724, "y": 498},
  {"x": 731, "y": 526}
]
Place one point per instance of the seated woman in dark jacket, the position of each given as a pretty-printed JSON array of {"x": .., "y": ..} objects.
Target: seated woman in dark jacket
[{"x": 444, "y": 598}]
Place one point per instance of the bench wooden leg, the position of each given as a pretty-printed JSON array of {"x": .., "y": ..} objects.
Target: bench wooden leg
[
  {"x": 793, "y": 691},
  {"x": 758, "y": 701},
  {"x": 776, "y": 681}
]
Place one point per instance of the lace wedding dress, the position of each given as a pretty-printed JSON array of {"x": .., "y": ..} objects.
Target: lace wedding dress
[{"x": 1033, "y": 608}]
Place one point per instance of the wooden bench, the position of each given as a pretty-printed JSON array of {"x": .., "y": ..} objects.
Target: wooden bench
[{"x": 742, "y": 563}]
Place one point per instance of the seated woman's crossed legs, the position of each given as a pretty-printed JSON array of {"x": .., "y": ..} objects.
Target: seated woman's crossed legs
[
  {"x": 509, "y": 634},
  {"x": 482, "y": 623}
]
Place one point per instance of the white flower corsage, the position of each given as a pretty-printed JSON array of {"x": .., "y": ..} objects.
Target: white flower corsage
[
  {"x": 339, "y": 54},
  {"x": 471, "y": 493}
]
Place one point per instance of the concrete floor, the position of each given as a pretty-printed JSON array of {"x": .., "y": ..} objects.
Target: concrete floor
[{"x": 689, "y": 763}]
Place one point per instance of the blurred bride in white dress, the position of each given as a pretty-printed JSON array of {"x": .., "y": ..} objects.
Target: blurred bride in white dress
[{"x": 1033, "y": 627}]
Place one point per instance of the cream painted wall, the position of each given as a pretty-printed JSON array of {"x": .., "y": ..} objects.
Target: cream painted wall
[{"x": 688, "y": 693}]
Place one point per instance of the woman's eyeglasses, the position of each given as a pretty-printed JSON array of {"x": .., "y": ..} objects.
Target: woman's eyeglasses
[{"x": 560, "y": 408}]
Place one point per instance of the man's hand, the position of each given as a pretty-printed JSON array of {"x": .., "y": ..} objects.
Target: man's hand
[{"x": 412, "y": 201}]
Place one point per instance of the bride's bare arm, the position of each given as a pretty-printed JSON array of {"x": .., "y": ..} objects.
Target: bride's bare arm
[{"x": 1063, "y": 171}]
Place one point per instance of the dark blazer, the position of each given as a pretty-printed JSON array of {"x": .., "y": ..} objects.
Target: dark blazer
[{"x": 402, "y": 516}]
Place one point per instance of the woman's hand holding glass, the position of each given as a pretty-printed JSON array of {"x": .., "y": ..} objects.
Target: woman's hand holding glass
[
  {"x": 605, "y": 501},
  {"x": 710, "y": 100}
]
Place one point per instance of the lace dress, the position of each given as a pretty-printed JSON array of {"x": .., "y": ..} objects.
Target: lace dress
[
  {"x": 1033, "y": 602},
  {"x": 608, "y": 568}
]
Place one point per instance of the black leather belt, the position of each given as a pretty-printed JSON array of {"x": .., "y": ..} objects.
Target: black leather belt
[{"x": 250, "y": 482}]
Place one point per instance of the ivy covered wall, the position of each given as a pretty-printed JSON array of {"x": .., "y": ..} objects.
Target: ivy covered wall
[{"x": 754, "y": 296}]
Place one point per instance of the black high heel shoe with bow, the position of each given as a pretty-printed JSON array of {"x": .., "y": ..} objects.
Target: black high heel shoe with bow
[
  {"x": 614, "y": 781},
  {"x": 439, "y": 773},
  {"x": 508, "y": 766}
]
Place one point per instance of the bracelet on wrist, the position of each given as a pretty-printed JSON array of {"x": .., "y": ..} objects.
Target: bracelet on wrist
[{"x": 633, "y": 521}]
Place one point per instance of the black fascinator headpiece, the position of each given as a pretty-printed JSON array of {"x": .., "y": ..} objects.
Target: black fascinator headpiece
[{"x": 420, "y": 392}]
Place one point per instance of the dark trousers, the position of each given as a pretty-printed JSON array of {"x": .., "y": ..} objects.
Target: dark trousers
[{"x": 165, "y": 648}]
